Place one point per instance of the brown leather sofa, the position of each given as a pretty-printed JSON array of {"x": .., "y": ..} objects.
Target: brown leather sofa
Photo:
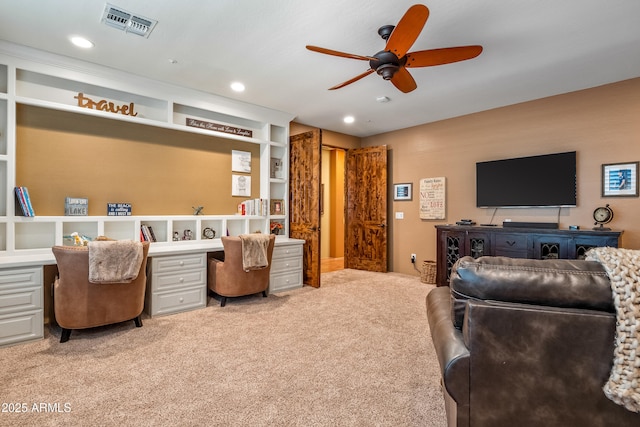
[{"x": 526, "y": 343}]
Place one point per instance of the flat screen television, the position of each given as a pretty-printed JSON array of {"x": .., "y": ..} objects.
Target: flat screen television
[{"x": 537, "y": 181}]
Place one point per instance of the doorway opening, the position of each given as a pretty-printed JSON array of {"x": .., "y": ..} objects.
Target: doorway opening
[{"x": 332, "y": 198}]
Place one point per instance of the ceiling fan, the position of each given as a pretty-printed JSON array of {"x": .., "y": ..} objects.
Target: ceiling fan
[{"x": 392, "y": 62}]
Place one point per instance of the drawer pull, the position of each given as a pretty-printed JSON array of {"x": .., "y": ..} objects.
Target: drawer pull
[
  {"x": 287, "y": 265},
  {"x": 181, "y": 299},
  {"x": 181, "y": 263},
  {"x": 510, "y": 243},
  {"x": 181, "y": 280}
]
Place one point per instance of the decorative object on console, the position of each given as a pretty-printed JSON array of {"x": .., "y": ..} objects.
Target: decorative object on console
[
  {"x": 403, "y": 191},
  {"x": 187, "y": 235},
  {"x": 433, "y": 198},
  {"x": 602, "y": 215},
  {"x": 620, "y": 179},
  {"x": 197, "y": 210},
  {"x": 519, "y": 224}
]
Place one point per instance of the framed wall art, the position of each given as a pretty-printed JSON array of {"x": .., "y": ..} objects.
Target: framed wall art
[
  {"x": 403, "y": 191},
  {"x": 433, "y": 202},
  {"x": 620, "y": 179}
]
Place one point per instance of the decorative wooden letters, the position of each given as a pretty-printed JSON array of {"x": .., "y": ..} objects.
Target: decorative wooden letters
[{"x": 104, "y": 105}]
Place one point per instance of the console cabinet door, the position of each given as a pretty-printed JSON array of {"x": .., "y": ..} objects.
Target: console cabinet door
[
  {"x": 551, "y": 247},
  {"x": 452, "y": 247},
  {"x": 478, "y": 244}
]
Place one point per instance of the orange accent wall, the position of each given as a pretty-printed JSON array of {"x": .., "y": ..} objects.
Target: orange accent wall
[{"x": 159, "y": 171}]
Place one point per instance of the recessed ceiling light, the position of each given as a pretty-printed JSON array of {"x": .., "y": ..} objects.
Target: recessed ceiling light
[
  {"x": 173, "y": 61},
  {"x": 237, "y": 87},
  {"x": 349, "y": 119},
  {"x": 81, "y": 42}
]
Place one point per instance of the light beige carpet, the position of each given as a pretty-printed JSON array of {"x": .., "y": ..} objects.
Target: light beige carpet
[{"x": 356, "y": 352}]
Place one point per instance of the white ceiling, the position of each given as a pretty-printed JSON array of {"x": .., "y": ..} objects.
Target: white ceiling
[{"x": 532, "y": 49}]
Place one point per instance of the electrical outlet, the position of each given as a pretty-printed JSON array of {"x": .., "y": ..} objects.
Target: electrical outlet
[{"x": 413, "y": 258}]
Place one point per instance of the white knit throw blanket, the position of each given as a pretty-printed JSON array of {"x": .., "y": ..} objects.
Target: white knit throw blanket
[{"x": 623, "y": 268}]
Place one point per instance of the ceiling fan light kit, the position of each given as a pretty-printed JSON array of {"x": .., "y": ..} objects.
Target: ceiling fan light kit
[{"x": 392, "y": 62}]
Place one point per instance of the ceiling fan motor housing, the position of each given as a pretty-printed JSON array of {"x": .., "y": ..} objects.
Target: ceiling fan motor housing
[{"x": 386, "y": 64}]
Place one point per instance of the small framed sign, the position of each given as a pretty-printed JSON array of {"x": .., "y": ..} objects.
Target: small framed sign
[
  {"x": 76, "y": 206},
  {"x": 403, "y": 191},
  {"x": 118, "y": 209}
]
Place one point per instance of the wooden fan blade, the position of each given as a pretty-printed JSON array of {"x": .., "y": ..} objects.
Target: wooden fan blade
[
  {"x": 403, "y": 80},
  {"x": 447, "y": 55},
  {"x": 341, "y": 54},
  {"x": 407, "y": 30},
  {"x": 355, "y": 79}
]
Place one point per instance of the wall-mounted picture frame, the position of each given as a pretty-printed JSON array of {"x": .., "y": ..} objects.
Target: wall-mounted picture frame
[
  {"x": 620, "y": 179},
  {"x": 402, "y": 192},
  {"x": 240, "y": 161}
]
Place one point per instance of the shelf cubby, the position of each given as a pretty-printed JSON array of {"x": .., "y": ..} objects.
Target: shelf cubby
[{"x": 35, "y": 235}]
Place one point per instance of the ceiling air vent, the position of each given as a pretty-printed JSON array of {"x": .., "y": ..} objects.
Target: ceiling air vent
[{"x": 128, "y": 22}]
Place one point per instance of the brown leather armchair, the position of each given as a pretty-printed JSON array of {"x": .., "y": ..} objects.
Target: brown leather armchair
[
  {"x": 80, "y": 304},
  {"x": 228, "y": 278},
  {"x": 526, "y": 343}
]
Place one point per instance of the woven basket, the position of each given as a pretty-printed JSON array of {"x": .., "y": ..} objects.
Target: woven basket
[{"x": 428, "y": 274}]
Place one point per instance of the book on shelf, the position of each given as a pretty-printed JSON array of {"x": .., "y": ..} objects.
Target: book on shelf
[
  {"x": 146, "y": 235},
  {"x": 23, "y": 202},
  {"x": 257, "y": 207}
]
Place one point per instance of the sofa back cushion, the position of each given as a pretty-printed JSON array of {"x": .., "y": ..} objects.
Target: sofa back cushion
[{"x": 555, "y": 283}]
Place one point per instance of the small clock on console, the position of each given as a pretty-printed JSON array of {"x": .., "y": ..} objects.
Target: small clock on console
[{"x": 602, "y": 215}]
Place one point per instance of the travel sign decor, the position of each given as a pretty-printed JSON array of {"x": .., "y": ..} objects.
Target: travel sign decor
[
  {"x": 104, "y": 105},
  {"x": 218, "y": 127}
]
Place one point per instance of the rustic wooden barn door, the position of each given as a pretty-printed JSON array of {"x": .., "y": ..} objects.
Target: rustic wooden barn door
[
  {"x": 304, "y": 206},
  {"x": 366, "y": 209}
]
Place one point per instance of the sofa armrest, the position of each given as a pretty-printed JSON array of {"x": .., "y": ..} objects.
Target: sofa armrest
[{"x": 453, "y": 354}]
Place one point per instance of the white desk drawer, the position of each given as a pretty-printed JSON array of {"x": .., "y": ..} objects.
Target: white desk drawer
[
  {"x": 181, "y": 300},
  {"x": 23, "y": 299},
  {"x": 286, "y": 264},
  {"x": 285, "y": 281},
  {"x": 19, "y": 327},
  {"x": 161, "y": 264},
  {"x": 20, "y": 278},
  {"x": 182, "y": 279},
  {"x": 287, "y": 251}
]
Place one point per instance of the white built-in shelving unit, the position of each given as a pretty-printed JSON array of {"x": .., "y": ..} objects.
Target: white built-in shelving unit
[{"x": 35, "y": 78}]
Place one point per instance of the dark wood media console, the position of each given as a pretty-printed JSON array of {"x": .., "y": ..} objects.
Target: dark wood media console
[{"x": 456, "y": 241}]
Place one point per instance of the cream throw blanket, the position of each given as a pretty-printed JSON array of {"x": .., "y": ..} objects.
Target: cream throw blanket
[
  {"x": 114, "y": 261},
  {"x": 254, "y": 251},
  {"x": 623, "y": 268}
]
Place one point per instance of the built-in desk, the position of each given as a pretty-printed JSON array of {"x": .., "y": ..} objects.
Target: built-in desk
[
  {"x": 456, "y": 241},
  {"x": 177, "y": 281}
]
